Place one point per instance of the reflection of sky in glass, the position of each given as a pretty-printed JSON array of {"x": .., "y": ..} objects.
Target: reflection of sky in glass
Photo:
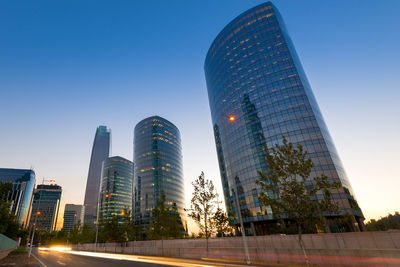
[
  {"x": 116, "y": 188},
  {"x": 22, "y": 189},
  {"x": 252, "y": 71},
  {"x": 158, "y": 167}
]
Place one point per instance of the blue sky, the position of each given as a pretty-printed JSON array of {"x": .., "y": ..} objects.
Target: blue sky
[{"x": 68, "y": 66}]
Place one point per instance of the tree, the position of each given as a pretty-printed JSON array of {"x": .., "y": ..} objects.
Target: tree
[
  {"x": 385, "y": 223},
  {"x": 73, "y": 235},
  {"x": 8, "y": 221},
  {"x": 165, "y": 221},
  {"x": 132, "y": 231},
  {"x": 202, "y": 207},
  {"x": 113, "y": 230},
  {"x": 289, "y": 190},
  {"x": 87, "y": 234},
  {"x": 222, "y": 222},
  {"x": 5, "y": 189}
]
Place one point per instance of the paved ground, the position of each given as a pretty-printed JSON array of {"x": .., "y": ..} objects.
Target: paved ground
[
  {"x": 51, "y": 258},
  {"x": 20, "y": 260}
]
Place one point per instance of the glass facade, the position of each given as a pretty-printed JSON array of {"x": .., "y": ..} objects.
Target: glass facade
[
  {"x": 258, "y": 92},
  {"x": 116, "y": 187},
  {"x": 73, "y": 215},
  {"x": 23, "y": 183},
  {"x": 100, "y": 152},
  {"x": 46, "y": 200},
  {"x": 158, "y": 168}
]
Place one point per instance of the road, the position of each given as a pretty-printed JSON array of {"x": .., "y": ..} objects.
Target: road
[
  {"x": 53, "y": 258},
  {"x": 62, "y": 259}
]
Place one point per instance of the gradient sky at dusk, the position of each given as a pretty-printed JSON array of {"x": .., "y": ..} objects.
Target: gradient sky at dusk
[{"x": 68, "y": 66}]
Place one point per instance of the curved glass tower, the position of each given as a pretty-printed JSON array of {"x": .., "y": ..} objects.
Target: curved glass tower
[
  {"x": 258, "y": 92},
  {"x": 158, "y": 168},
  {"x": 116, "y": 187},
  {"x": 100, "y": 152}
]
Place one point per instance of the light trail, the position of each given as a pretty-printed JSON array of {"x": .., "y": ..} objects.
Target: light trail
[
  {"x": 56, "y": 248},
  {"x": 164, "y": 261},
  {"x": 233, "y": 259}
]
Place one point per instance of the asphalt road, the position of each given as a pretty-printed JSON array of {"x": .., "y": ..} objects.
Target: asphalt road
[
  {"x": 56, "y": 258},
  {"x": 61, "y": 259}
]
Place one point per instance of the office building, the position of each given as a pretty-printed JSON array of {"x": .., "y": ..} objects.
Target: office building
[
  {"x": 23, "y": 183},
  {"x": 73, "y": 216},
  {"x": 258, "y": 92},
  {"x": 116, "y": 191},
  {"x": 100, "y": 152},
  {"x": 158, "y": 168},
  {"x": 45, "y": 207}
]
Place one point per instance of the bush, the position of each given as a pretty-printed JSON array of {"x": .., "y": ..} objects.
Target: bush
[{"x": 19, "y": 250}]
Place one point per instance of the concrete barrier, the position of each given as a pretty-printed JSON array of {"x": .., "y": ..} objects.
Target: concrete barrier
[
  {"x": 6, "y": 245},
  {"x": 339, "y": 249}
]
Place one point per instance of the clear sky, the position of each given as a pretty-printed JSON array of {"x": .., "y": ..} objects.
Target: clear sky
[{"x": 68, "y": 66}]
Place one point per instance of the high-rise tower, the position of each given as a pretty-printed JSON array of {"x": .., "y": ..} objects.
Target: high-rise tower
[
  {"x": 158, "y": 168},
  {"x": 258, "y": 92},
  {"x": 45, "y": 207},
  {"x": 23, "y": 183},
  {"x": 100, "y": 152},
  {"x": 116, "y": 188},
  {"x": 73, "y": 216}
]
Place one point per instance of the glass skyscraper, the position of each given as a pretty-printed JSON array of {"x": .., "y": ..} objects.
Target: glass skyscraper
[
  {"x": 46, "y": 200},
  {"x": 258, "y": 92},
  {"x": 158, "y": 168},
  {"x": 23, "y": 183},
  {"x": 116, "y": 188},
  {"x": 100, "y": 152}
]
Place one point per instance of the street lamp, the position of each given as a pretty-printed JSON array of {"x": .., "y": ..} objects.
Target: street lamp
[
  {"x": 97, "y": 220},
  {"x": 34, "y": 228},
  {"x": 97, "y": 233},
  {"x": 232, "y": 118}
]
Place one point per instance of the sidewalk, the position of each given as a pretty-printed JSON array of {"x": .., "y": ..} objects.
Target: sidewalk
[{"x": 20, "y": 259}]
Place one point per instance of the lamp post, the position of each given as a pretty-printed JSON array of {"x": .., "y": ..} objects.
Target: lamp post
[
  {"x": 73, "y": 226},
  {"x": 97, "y": 233},
  {"x": 97, "y": 220},
  {"x": 37, "y": 214},
  {"x": 231, "y": 119},
  {"x": 33, "y": 232}
]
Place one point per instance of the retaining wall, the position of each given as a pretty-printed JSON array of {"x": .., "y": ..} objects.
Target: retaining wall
[
  {"x": 339, "y": 249},
  {"x": 6, "y": 245}
]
